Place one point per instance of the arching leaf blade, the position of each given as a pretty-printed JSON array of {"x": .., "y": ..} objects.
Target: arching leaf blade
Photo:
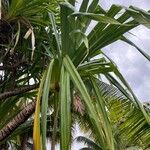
[
  {"x": 65, "y": 110},
  {"x": 36, "y": 126},
  {"x": 45, "y": 96}
]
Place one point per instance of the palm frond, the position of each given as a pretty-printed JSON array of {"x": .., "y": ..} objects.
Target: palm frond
[{"x": 88, "y": 142}]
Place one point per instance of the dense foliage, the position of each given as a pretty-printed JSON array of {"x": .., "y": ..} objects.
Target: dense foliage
[{"x": 52, "y": 63}]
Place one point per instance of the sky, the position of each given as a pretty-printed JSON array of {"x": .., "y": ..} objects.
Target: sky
[{"x": 134, "y": 67}]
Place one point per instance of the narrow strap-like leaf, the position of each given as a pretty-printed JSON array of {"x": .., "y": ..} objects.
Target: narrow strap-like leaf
[
  {"x": 36, "y": 128},
  {"x": 104, "y": 116},
  {"x": 86, "y": 97},
  {"x": 52, "y": 19},
  {"x": 66, "y": 22},
  {"x": 98, "y": 17},
  {"x": 65, "y": 111},
  {"x": 45, "y": 97}
]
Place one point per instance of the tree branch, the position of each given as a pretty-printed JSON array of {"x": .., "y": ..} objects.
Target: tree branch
[
  {"x": 20, "y": 118},
  {"x": 17, "y": 91}
]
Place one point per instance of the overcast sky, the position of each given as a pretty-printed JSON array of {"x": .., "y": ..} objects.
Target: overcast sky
[{"x": 134, "y": 67}]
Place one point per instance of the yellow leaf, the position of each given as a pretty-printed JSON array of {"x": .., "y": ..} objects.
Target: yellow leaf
[{"x": 36, "y": 128}]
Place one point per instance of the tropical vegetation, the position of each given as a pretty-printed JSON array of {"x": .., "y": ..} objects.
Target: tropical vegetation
[{"x": 54, "y": 74}]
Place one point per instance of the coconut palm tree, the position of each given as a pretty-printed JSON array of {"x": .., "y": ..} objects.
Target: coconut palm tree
[
  {"x": 91, "y": 145},
  {"x": 50, "y": 58},
  {"x": 129, "y": 128}
]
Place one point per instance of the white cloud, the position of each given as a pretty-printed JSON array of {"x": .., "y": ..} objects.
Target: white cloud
[
  {"x": 144, "y": 4},
  {"x": 134, "y": 67}
]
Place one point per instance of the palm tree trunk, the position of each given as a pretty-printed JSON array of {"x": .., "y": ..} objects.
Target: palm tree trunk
[
  {"x": 18, "y": 91},
  {"x": 24, "y": 140},
  {"x": 20, "y": 118}
]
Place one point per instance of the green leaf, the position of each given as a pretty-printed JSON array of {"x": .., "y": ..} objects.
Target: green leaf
[
  {"x": 82, "y": 38},
  {"x": 65, "y": 110},
  {"x": 146, "y": 14},
  {"x": 81, "y": 87},
  {"x": 66, "y": 41},
  {"x": 104, "y": 34},
  {"x": 97, "y": 17},
  {"x": 104, "y": 116},
  {"x": 52, "y": 19},
  {"x": 82, "y": 22},
  {"x": 95, "y": 67},
  {"x": 139, "y": 15},
  {"x": 84, "y": 6},
  {"x": 45, "y": 97}
]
